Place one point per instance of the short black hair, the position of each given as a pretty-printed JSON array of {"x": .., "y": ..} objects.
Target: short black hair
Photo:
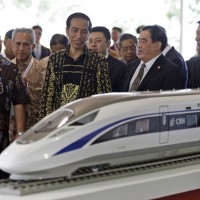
[
  {"x": 139, "y": 28},
  {"x": 103, "y": 30},
  {"x": 117, "y": 29},
  {"x": 157, "y": 34},
  {"x": 37, "y": 27},
  {"x": 78, "y": 15},
  {"x": 9, "y": 34},
  {"x": 59, "y": 39},
  {"x": 127, "y": 36},
  {"x": 198, "y": 22}
]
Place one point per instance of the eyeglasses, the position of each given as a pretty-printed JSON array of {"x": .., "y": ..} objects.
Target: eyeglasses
[{"x": 131, "y": 48}]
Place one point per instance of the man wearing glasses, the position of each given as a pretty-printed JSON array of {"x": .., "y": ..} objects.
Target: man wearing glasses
[{"x": 128, "y": 47}]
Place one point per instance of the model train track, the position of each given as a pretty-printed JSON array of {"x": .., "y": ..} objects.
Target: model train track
[{"x": 87, "y": 175}]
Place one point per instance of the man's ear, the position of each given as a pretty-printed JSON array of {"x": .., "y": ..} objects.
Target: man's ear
[
  {"x": 159, "y": 44},
  {"x": 67, "y": 32},
  {"x": 108, "y": 43}
]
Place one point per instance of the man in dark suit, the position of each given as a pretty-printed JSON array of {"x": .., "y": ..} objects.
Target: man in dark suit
[
  {"x": 99, "y": 40},
  {"x": 39, "y": 51},
  {"x": 159, "y": 73},
  {"x": 193, "y": 63},
  {"x": 174, "y": 56},
  {"x": 195, "y": 73}
]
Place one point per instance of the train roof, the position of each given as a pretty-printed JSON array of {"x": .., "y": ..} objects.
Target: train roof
[
  {"x": 94, "y": 102},
  {"x": 72, "y": 113}
]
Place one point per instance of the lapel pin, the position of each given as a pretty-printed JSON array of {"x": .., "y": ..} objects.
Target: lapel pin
[{"x": 158, "y": 67}]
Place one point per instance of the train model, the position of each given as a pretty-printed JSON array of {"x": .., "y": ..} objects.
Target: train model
[{"x": 107, "y": 129}]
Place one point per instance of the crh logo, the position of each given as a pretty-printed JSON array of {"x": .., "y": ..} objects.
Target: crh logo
[
  {"x": 172, "y": 122},
  {"x": 177, "y": 121}
]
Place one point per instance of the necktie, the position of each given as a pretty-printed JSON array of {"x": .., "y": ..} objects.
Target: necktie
[{"x": 138, "y": 79}]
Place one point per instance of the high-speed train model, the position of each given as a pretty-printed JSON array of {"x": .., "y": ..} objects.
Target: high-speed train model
[{"x": 106, "y": 129}]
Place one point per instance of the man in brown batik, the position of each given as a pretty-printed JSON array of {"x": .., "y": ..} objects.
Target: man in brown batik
[{"x": 32, "y": 70}]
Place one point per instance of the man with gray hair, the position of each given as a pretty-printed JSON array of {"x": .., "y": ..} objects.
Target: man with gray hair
[{"x": 32, "y": 70}]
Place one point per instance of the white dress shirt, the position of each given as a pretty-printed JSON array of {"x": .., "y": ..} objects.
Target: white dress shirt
[{"x": 146, "y": 69}]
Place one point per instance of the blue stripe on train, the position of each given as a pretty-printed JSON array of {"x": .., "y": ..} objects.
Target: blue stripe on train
[{"x": 82, "y": 141}]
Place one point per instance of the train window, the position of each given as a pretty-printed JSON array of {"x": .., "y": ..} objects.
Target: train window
[
  {"x": 135, "y": 127},
  {"x": 118, "y": 132},
  {"x": 191, "y": 120},
  {"x": 55, "y": 120},
  {"x": 62, "y": 131},
  {"x": 141, "y": 126},
  {"x": 86, "y": 119},
  {"x": 44, "y": 127}
]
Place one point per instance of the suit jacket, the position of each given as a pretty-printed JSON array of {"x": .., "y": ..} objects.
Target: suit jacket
[
  {"x": 175, "y": 57},
  {"x": 44, "y": 52},
  {"x": 163, "y": 74},
  {"x": 195, "y": 73},
  {"x": 116, "y": 70},
  {"x": 190, "y": 70}
]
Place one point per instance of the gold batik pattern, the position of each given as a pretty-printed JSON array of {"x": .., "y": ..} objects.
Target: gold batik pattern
[{"x": 69, "y": 93}]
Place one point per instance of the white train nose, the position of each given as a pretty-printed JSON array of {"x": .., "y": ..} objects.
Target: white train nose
[
  {"x": 9, "y": 158},
  {"x": 6, "y": 161}
]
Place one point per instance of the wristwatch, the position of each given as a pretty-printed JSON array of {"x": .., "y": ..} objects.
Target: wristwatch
[{"x": 19, "y": 133}]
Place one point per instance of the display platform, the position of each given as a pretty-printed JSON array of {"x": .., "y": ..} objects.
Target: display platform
[{"x": 162, "y": 185}]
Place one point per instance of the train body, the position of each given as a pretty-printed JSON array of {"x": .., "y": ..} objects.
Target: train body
[{"x": 106, "y": 129}]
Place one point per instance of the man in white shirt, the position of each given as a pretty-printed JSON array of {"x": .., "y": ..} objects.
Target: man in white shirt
[{"x": 39, "y": 51}]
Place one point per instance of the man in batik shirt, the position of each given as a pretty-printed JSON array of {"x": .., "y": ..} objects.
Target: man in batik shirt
[
  {"x": 12, "y": 89},
  {"x": 32, "y": 70},
  {"x": 75, "y": 72}
]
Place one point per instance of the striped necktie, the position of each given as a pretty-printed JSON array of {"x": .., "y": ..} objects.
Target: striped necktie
[{"x": 138, "y": 79}]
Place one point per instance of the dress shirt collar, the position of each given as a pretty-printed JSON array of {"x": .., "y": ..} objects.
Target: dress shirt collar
[
  {"x": 25, "y": 65},
  {"x": 107, "y": 54},
  {"x": 167, "y": 48},
  {"x": 150, "y": 63}
]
